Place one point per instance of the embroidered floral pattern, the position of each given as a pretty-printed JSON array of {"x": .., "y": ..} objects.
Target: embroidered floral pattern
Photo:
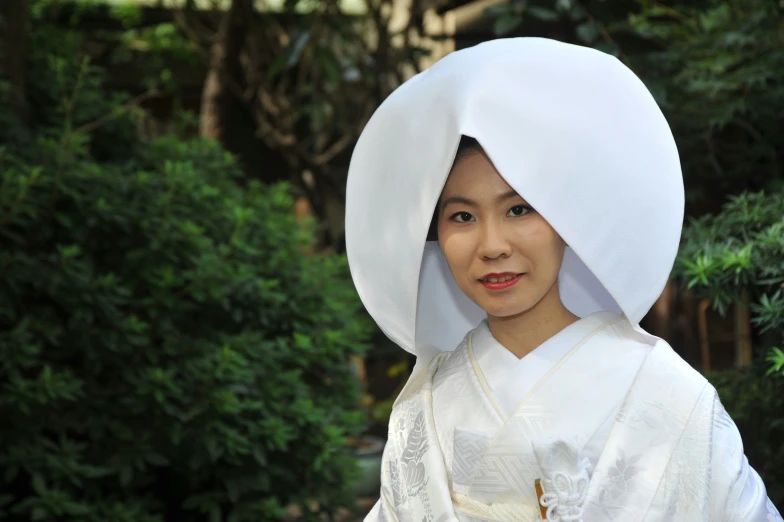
[
  {"x": 407, "y": 471},
  {"x": 620, "y": 478},
  {"x": 409, "y": 476}
]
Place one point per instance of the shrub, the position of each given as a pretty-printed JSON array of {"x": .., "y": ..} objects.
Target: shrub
[
  {"x": 741, "y": 249},
  {"x": 168, "y": 351},
  {"x": 718, "y": 73}
]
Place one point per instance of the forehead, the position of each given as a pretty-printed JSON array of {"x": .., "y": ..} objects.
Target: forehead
[{"x": 474, "y": 173}]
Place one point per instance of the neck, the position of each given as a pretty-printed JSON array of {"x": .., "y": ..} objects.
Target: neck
[{"x": 523, "y": 333}]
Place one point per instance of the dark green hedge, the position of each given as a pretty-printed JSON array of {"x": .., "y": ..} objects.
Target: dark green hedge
[{"x": 168, "y": 350}]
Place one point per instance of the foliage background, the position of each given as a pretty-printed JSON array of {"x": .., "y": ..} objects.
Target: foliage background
[
  {"x": 147, "y": 245},
  {"x": 171, "y": 349}
]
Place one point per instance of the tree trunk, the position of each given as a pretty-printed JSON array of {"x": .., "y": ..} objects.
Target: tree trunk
[
  {"x": 660, "y": 316},
  {"x": 13, "y": 39},
  {"x": 219, "y": 92},
  {"x": 744, "y": 354}
]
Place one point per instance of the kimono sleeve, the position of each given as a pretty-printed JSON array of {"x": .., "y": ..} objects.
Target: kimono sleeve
[
  {"x": 383, "y": 510},
  {"x": 737, "y": 491}
]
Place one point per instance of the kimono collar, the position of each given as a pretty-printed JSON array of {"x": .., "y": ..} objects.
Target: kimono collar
[
  {"x": 571, "y": 129},
  {"x": 498, "y": 364}
]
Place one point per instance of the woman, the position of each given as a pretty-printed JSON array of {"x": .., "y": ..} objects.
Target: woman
[{"x": 512, "y": 213}]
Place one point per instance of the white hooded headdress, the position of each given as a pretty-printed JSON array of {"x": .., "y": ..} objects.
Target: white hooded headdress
[{"x": 571, "y": 129}]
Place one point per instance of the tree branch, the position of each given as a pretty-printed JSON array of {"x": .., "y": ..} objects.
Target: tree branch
[{"x": 133, "y": 102}]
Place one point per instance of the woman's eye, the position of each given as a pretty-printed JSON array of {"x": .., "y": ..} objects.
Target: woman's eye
[
  {"x": 462, "y": 217},
  {"x": 518, "y": 210}
]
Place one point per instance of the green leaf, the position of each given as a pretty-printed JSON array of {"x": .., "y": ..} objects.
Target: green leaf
[
  {"x": 329, "y": 64},
  {"x": 495, "y": 11},
  {"x": 776, "y": 359},
  {"x": 39, "y": 484},
  {"x": 260, "y": 456},
  {"x": 157, "y": 459},
  {"x": 215, "y": 514},
  {"x": 576, "y": 12},
  {"x": 506, "y": 24},
  {"x": 126, "y": 475},
  {"x": 540, "y": 13},
  {"x": 589, "y": 31},
  {"x": 10, "y": 473},
  {"x": 76, "y": 509},
  {"x": 290, "y": 56}
]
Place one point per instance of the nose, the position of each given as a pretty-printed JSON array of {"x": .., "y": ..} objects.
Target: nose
[{"x": 493, "y": 243}]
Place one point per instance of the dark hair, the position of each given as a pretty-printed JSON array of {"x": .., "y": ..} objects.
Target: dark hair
[{"x": 467, "y": 146}]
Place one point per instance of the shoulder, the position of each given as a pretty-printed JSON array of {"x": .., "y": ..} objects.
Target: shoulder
[
  {"x": 449, "y": 364},
  {"x": 662, "y": 362},
  {"x": 665, "y": 379},
  {"x": 668, "y": 364},
  {"x": 426, "y": 374}
]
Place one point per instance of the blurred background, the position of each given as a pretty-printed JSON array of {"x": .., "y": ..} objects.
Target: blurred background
[{"x": 180, "y": 339}]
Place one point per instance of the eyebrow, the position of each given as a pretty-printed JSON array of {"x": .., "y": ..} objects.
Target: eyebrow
[{"x": 471, "y": 203}]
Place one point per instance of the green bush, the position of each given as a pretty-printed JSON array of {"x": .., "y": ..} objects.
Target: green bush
[
  {"x": 741, "y": 249},
  {"x": 756, "y": 404},
  {"x": 718, "y": 73},
  {"x": 168, "y": 350}
]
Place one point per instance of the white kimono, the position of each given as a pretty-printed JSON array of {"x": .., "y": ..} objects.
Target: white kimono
[
  {"x": 610, "y": 420},
  {"x": 616, "y": 426}
]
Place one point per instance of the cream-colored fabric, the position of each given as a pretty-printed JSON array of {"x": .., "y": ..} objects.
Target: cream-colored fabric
[
  {"x": 495, "y": 361},
  {"x": 622, "y": 424},
  {"x": 508, "y": 378}
]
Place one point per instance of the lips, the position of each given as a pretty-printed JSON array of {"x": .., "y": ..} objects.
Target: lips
[
  {"x": 499, "y": 281},
  {"x": 498, "y": 278}
]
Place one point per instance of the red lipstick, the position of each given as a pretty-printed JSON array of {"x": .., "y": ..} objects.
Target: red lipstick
[{"x": 500, "y": 285}]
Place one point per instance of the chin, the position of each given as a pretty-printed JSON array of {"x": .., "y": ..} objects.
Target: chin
[{"x": 504, "y": 309}]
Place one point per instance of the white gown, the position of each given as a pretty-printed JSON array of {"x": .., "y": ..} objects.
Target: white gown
[{"x": 613, "y": 423}]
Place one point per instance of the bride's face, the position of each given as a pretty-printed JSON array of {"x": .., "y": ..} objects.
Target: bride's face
[{"x": 503, "y": 255}]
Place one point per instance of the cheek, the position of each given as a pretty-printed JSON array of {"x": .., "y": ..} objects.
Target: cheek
[
  {"x": 457, "y": 249},
  {"x": 542, "y": 243}
]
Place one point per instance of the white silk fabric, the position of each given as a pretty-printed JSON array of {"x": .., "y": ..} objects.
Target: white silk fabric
[
  {"x": 571, "y": 129},
  {"x": 508, "y": 378},
  {"x": 621, "y": 429}
]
